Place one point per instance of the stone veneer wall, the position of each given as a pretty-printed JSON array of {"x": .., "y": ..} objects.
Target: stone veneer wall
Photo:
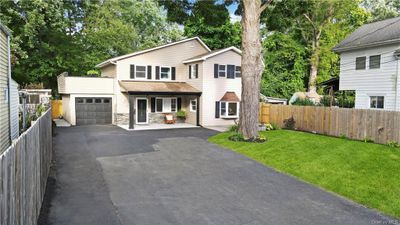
[
  {"x": 121, "y": 118},
  {"x": 159, "y": 118}
]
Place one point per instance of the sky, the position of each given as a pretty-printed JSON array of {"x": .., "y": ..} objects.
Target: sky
[{"x": 232, "y": 8}]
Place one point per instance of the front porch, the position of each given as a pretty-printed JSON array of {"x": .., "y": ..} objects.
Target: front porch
[{"x": 158, "y": 126}]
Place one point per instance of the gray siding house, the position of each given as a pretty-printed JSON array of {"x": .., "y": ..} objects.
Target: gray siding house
[{"x": 9, "y": 129}]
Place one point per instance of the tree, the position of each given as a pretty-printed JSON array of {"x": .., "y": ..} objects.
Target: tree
[
  {"x": 252, "y": 67},
  {"x": 286, "y": 65},
  {"x": 382, "y": 9}
]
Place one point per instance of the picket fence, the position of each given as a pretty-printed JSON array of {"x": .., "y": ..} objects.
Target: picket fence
[{"x": 24, "y": 168}]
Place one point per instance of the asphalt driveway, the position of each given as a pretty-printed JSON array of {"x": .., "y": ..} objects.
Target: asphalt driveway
[{"x": 106, "y": 175}]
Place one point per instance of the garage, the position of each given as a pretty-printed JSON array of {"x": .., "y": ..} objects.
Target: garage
[{"x": 93, "y": 111}]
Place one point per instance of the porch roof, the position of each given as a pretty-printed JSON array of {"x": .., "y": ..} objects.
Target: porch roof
[{"x": 157, "y": 87}]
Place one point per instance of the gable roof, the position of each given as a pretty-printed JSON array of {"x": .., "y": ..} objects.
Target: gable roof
[
  {"x": 5, "y": 29},
  {"x": 210, "y": 54},
  {"x": 372, "y": 34},
  {"x": 113, "y": 60},
  {"x": 157, "y": 87}
]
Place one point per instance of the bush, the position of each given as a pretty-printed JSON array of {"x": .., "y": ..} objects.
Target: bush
[
  {"x": 239, "y": 137},
  {"x": 275, "y": 127},
  {"x": 234, "y": 128},
  {"x": 181, "y": 114},
  {"x": 236, "y": 137},
  {"x": 326, "y": 100},
  {"x": 290, "y": 123},
  {"x": 303, "y": 102},
  {"x": 392, "y": 144}
]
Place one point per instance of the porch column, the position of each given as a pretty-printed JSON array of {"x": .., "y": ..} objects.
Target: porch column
[
  {"x": 131, "y": 111},
  {"x": 198, "y": 110}
]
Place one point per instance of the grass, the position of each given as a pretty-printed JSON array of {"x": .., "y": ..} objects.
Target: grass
[{"x": 367, "y": 173}]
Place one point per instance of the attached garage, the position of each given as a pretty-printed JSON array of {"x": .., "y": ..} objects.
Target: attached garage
[{"x": 93, "y": 110}]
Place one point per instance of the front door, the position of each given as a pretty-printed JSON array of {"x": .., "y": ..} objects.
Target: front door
[{"x": 141, "y": 106}]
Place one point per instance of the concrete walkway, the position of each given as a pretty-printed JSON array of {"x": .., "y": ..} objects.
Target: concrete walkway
[{"x": 107, "y": 175}]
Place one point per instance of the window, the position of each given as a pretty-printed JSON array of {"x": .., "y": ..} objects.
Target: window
[
  {"x": 106, "y": 100},
  {"x": 238, "y": 72},
  {"x": 221, "y": 70},
  {"x": 165, "y": 73},
  {"x": 193, "y": 71},
  {"x": 166, "y": 105},
  {"x": 193, "y": 105},
  {"x": 97, "y": 100},
  {"x": 89, "y": 100},
  {"x": 229, "y": 109},
  {"x": 375, "y": 61},
  {"x": 377, "y": 102},
  {"x": 140, "y": 72},
  {"x": 360, "y": 63}
]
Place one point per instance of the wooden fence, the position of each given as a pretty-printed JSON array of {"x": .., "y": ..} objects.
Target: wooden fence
[
  {"x": 24, "y": 168},
  {"x": 56, "y": 109},
  {"x": 359, "y": 124}
]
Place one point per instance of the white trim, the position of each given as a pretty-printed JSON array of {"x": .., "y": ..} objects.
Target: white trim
[
  {"x": 190, "y": 105},
  {"x": 233, "y": 48},
  {"x": 113, "y": 60},
  {"x": 225, "y": 70},
  {"x": 226, "y": 110},
  {"x": 147, "y": 110},
  {"x": 170, "y": 73},
  {"x": 140, "y": 78},
  {"x": 176, "y": 106},
  {"x": 384, "y": 101}
]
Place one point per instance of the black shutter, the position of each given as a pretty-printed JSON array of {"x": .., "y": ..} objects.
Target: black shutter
[
  {"x": 216, "y": 109},
  {"x": 132, "y": 71},
  {"x": 157, "y": 72},
  {"x": 149, "y": 72},
  {"x": 231, "y": 72},
  {"x": 197, "y": 70},
  {"x": 215, "y": 70},
  {"x": 173, "y": 73},
  {"x": 179, "y": 103},
  {"x": 190, "y": 72},
  {"x": 153, "y": 104}
]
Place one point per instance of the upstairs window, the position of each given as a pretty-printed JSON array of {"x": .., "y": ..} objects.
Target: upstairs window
[
  {"x": 238, "y": 71},
  {"x": 140, "y": 72},
  {"x": 377, "y": 102},
  {"x": 360, "y": 63},
  {"x": 375, "y": 61},
  {"x": 194, "y": 72},
  {"x": 221, "y": 70},
  {"x": 165, "y": 73}
]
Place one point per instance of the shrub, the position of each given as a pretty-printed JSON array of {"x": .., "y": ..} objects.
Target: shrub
[
  {"x": 181, "y": 114},
  {"x": 234, "y": 128},
  {"x": 236, "y": 137},
  {"x": 289, "y": 123},
  {"x": 393, "y": 144},
  {"x": 275, "y": 127},
  {"x": 304, "y": 102},
  {"x": 268, "y": 127},
  {"x": 92, "y": 73},
  {"x": 326, "y": 100}
]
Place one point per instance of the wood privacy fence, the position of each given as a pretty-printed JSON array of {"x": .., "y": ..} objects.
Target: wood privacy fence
[
  {"x": 24, "y": 168},
  {"x": 56, "y": 109},
  {"x": 359, "y": 124}
]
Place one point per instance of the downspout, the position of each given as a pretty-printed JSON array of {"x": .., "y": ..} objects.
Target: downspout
[
  {"x": 396, "y": 104},
  {"x": 9, "y": 87}
]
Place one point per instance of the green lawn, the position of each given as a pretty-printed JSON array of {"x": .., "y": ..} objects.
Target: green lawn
[{"x": 364, "y": 172}]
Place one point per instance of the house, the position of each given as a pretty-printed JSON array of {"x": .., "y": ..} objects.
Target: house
[
  {"x": 9, "y": 122},
  {"x": 369, "y": 65},
  {"x": 142, "y": 87},
  {"x": 33, "y": 98}
]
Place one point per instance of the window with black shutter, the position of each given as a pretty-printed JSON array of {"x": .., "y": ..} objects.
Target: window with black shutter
[
  {"x": 231, "y": 72},
  {"x": 238, "y": 71}
]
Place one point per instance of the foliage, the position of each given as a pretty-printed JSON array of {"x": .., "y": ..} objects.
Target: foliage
[
  {"x": 181, "y": 114},
  {"x": 303, "y": 101},
  {"x": 345, "y": 99},
  {"x": 275, "y": 126},
  {"x": 236, "y": 136},
  {"x": 393, "y": 144},
  {"x": 285, "y": 66},
  {"x": 50, "y": 37},
  {"x": 382, "y": 9},
  {"x": 93, "y": 73},
  {"x": 364, "y": 172},
  {"x": 326, "y": 100},
  {"x": 268, "y": 127},
  {"x": 290, "y": 123},
  {"x": 233, "y": 128}
]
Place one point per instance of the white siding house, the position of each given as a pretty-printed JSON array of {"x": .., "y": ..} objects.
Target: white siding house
[
  {"x": 369, "y": 65},
  {"x": 142, "y": 87}
]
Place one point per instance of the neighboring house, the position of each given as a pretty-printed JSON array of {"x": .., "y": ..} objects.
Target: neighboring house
[
  {"x": 273, "y": 100},
  {"x": 369, "y": 65},
  {"x": 33, "y": 98},
  {"x": 141, "y": 87},
  {"x": 8, "y": 94}
]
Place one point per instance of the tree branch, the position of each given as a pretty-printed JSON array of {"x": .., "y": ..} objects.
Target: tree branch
[{"x": 265, "y": 5}]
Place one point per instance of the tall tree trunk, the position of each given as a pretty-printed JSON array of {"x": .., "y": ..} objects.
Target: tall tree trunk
[
  {"x": 252, "y": 67},
  {"x": 314, "y": 64}
]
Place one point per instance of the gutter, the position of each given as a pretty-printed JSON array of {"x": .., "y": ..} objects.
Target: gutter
[
  {"x": 9, "y": 88},
  {"x": 375, "y": 44}
]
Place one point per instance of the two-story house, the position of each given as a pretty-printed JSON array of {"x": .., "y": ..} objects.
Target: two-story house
[
  {"x": 369, "y": 65},
  {"x": 9, "y": 123},
  {"x": 142, "y": 87}
]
